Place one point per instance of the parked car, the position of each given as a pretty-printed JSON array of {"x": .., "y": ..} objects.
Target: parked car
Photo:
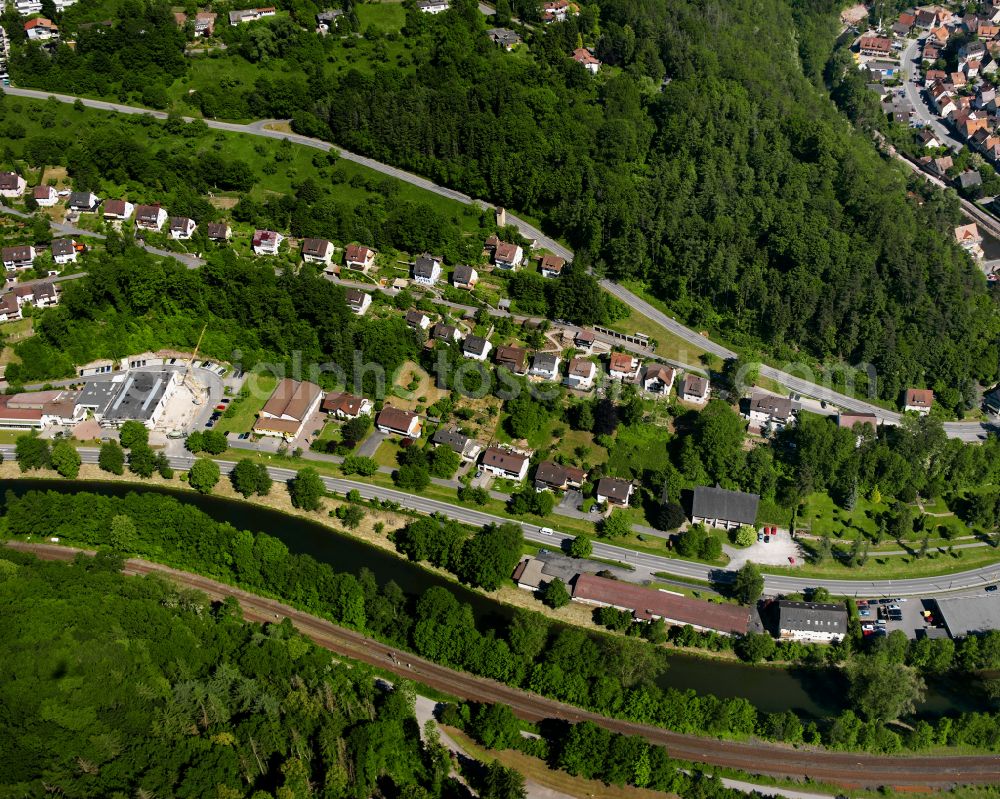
[
  {"x": 864, "y": 612},
  {"x": 767, "y": 539},
  {"x": 243, "y": 436},
  {"x": 791, "y": 560},
  {"x": 990, "y": 589}
]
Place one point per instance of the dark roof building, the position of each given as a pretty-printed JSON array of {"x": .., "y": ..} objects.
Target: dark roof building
[
  {"x": 552, "y": 475},
  {"x": 720, "y": 507},
  {"x": 811, "y": 621}
]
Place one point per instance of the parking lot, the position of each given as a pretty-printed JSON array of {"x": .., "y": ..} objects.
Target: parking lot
[
  {"x": 778, "y": 550},
  {"x": 897, "y": 614}
]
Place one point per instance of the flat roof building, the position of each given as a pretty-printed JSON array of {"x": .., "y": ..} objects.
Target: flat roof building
[
  {"x": 970, "y": 615},
  {"x": 133, "y": 396}
]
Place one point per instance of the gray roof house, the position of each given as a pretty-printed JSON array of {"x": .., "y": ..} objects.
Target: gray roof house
[
  {"x": 969, "y": 179},
  {"x": 467, "y": 447},
  {"x": 720, "y": 507},
  {"x": 811, "y": 621}
]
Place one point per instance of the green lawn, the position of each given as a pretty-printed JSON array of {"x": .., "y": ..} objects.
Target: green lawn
[
  {"x": 382, "y": 17},
  {"x": 637, "y": 449},
  {"x": 245, "y": 409},
  {"x": 668, "y": 345}
]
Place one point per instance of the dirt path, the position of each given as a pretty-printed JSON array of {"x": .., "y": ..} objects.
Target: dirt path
[{"x": 847, "y": 769}]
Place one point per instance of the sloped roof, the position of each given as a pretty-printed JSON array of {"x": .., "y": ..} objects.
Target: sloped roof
[{"x": 720, "y": 503}]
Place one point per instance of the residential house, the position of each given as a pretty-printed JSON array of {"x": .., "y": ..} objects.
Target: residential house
[
  {"x": 904, "y": 24},
  {"x": 19, "y": 257},
  {"x": 545, "y": 365},
  {"x": 940, "y": 35},
  {"x": 289, "y": 407},
  {"x": 249, "y": 15},
  {"x": 505, "y": 463},
  {"x": 464, "y": 277},
  {"x": 266, "y": 242},
  {"x": 972, "y": 50},
  {"x": 958, "y": 80},
  {"x": 12, "y": 185},
  {"x": 933, "y": 76},
  {"x": 658, "y": 379},
  {"x": 219, "y": 231},
  {"x": 720, "y": 507},
  {"x": 931, "y": 51},
  {"x": 614, "y": 491},
  {"x": 648, "y": 604},
  {"x": 552, "y": 476},
  {"x": 150, "y": 217},
  {"x": 359, "y": 258},
  {"x": 587, "y": 60},
  {"x": 117, "y": 210},
  {"x": 927, "y": 18},
  {"x": 551, "y": 265},
  {"x": 555, "y": 11},
  {"x": 875, "y": 46},
  {"x": 27, "y": 7},
  {"x": 443, "y": 332},
  {"x": 970, "y": 179},
  {"x": 941, "y": 98},
  {"x": 503, "y": 37},
  {"x": 317, "y": 251},
  {"x": 849, "y": 420},
  {"x": 427, "y": 269},
  {"x": 970, "y": 240},
  {"x": 530, "y": 574},
  {"x": 811, "y": 621},
  {"x": 458, "y": 442},
  {"x": 45, "y": 196},
  {"x": 204, "y": 23},
  {"x": 476, "y": 347},
  {"x": 583, "y": 340},
  {"x": 358, "y": 301},
  {"x": 623, "y": 366},
  {"x": 182, "y": 228},
  {"x": 398, "y": 422},
  {"x": 695, "y": 389},
  {"x": 881, "y": 70},
  {"x": 418, "y": 320},
  {"x": 346, "y": 406},
  {"x": 513, "y": 358},
  {"x": 927, "y": 138},
  {"x": 580, "y": 374},
  {"x": 770, "y": 410},
  {"x": 918, "y": 400},
  {"x": 84, "y": 202},
  {"x": 10, "y": 307},
  {"x": 63, "y": 251},
  {"x": 326, "y": 20},
  {"x": 940, "y": 166},
  {"x": 41, "y": 29},
  {"x": 504, "y": 255},
  {"x": 433, "y": 6}
]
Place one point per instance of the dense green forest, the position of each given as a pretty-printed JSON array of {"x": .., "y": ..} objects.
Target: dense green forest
[
  {"x": 706, "y": 160},
  {"x": 614, "y": 675},
  {"x": 116, "y": 687}
]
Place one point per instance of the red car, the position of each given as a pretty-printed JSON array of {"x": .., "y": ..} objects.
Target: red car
[{"x": 791, "y": 560}]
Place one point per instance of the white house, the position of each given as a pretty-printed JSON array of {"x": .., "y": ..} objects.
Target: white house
[
  {"x": 83, "y": 201},
  {"x": 476, "y": 348},
  {"x": 358, "y": 301},
  {"x": 505, "y": 463},
  {"x": 219, "y": 231},
  {"x": 505, "y": 255},
  {"x": 182, "y": 228},
  {"x": 465, "y": 277},
  {"x": 433, "y": 6},
  {"x": 623, "y": 366},
  {"x": 919, "y": 400},
  {"x": 317, "y": 251},
  {"x": 28, "y": 7},
  {"x": 811, "y": 621},
  {"x": 41, "y": 29},
  {"x": 614, "y": 491},
  {"x": 587, "y": 60},
  {"x": 249, "y": 15},
  {"x": 545, "y": 365},
  {"x": 581, "y": 374},
  {"x": 118, "y": 210},
  {"x": 770, "y": 409},
  {"x": 398, "y": 421},
  {"x": 45, "y": 196},
  {"x": 150, "y": 217},
  {"x": 551, "y": 265},
  {"x": 359, "y": 258},
  {"x": 266, "y": 242},
  {"x": 417, "y": 319},
  {"x": 63, "y": 251},
  {"x": 347, "y": 406},
  {"x": 12, "y": 185},
  {"x": 658, "y": 379},
  {"x": 20, "y": 257},
  {"x": 695, "y": 389},
  {"x": 427, "y": 269}
]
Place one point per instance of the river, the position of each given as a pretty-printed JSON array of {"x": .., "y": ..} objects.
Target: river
[{"x": 811, "y": 692}]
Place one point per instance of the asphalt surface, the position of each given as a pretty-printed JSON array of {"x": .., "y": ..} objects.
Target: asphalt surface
[
  {"x": 773, "y": 584},
  {"x": 909, "y": 61},
  {"x": 850, "y": 770},
  {"x": 970, "y": 431}
]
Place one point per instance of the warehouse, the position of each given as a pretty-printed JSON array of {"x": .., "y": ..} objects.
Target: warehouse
[{"x": 970, "y": 615}]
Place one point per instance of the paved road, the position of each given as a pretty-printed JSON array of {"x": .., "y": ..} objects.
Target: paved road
[
  {"x": 970, "y": 431},
  {"x": 848, "y": 769},
  {"x": 909, "y": 59},
  {"x": 641, "y": 561}
]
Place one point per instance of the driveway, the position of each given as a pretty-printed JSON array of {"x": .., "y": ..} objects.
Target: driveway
[
  {"x": 369, "y": 446},
  {"x": 776, "y": 552}
]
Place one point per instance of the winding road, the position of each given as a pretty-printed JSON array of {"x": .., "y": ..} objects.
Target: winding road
[
  {"x": 847, "y": 769},
  {"x": 967, "y": 431},
  {"x": 774, "y": 584}
]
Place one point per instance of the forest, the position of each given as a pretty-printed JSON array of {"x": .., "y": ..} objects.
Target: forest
[
  {"x": 118, "y": 686},
  {"x": 612, "y": 674},
  {"x": 705, "y": 161}
]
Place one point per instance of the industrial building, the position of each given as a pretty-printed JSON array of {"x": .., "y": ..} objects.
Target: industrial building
[{"x": 970, "y": 615}]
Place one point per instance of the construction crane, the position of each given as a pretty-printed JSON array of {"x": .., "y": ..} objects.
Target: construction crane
[{"x": 196, "y": 387}]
